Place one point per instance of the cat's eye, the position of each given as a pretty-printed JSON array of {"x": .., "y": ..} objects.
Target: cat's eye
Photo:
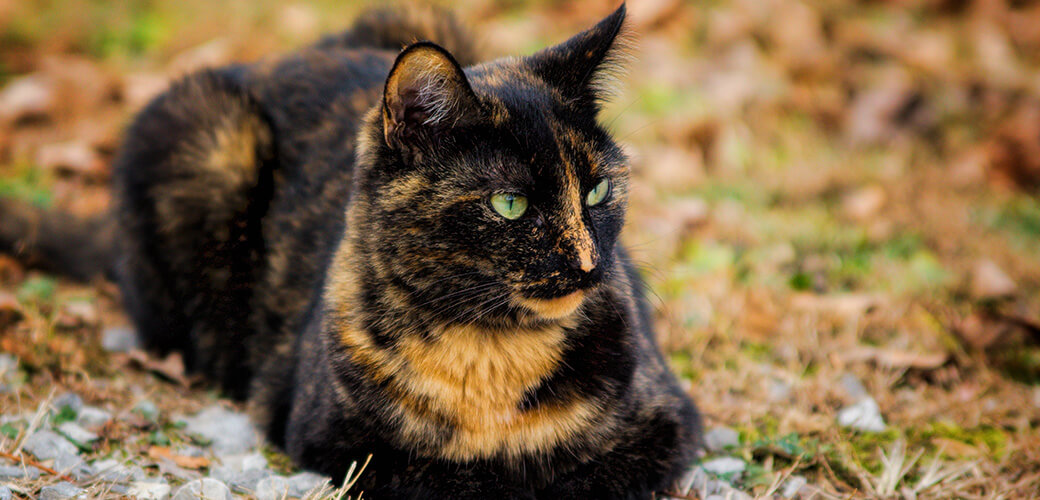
[
  {"x": 598, "y": 193},
  {"x": 508, "y": 205}
]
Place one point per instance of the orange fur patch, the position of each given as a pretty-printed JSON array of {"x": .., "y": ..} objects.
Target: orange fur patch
[{"x": 554, "y": 308}]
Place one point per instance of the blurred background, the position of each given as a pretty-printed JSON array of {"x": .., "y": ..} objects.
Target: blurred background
[{"x": 836, "y": 206}]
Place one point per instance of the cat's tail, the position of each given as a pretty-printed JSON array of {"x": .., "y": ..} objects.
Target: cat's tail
[
  {"x": 77, "y": 247},
  {"x": 396, "y": 27}
]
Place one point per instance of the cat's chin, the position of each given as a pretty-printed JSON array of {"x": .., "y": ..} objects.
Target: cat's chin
[{"x": 555, "y": 308}]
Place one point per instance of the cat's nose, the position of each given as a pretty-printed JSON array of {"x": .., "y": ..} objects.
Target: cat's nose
[{"x": 585, "y": 260}]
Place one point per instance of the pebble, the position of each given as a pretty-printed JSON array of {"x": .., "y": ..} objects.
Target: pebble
[
  {"x": 272, "y": 488},
  {"x": 8, "y": 370},
  {"x": 68, "y": 400},
  {"x": 146, "y": 409},
  {"x": 46, "y": 445},
  {"x": 853, "y": 387},
  {"x": 793, "y": 487},
  {"x": 725, "y": 466},
  {"x": 76, "y": 433},
  {"x": 862, "y": 416},
  {"x": 120, "y": 339},
  {"x": 145, "y": 490},
  {"x": 301, "y": 483},
  {"x": 73, "y": 465},
  {"x": 779, "y": 390},
  {"x": 203, "y": 489},
  {"x": 5, "y": 493},
  {"x": 92, "y": 417},
  {"x": 18, "y": 472},
  {"x": 62, "y": 490},
  {"x": 113, "y": 471},
  {"x": 230, "y": 432},
  {"x": 720, "y": 438},
  {"x": 247, "y": 480}
]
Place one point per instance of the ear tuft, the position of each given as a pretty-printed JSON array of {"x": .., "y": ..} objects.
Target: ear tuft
[
  {"x": 426, "y": 91},
  {"x": 586, "y": 67}
]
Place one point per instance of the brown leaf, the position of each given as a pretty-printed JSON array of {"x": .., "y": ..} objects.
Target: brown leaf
[
  {"x": 161, "y": 452},
  {"x": 72, "y": 156},
  {"x": 10, "y": 309},
  {"x": 989, "y": 281},
  {"x": 170, "y": 368},
  {"x": 893, "y": 358}
]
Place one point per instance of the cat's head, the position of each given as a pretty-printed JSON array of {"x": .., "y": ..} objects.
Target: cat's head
[{"x": 491, "y": 190}]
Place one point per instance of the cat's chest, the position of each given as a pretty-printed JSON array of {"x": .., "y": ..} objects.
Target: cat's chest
[{"x": 472, "y": 382}]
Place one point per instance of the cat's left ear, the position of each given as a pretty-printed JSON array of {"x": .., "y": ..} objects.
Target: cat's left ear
[
  {"x": 425, "y": 94},
  {"x": 582, "y": 68}
]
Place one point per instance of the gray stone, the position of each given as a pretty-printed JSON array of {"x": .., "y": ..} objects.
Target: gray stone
[
  {"x": 73, "y": 465},
  {"x": 145, "y": 490},
  {"x": 61, "y": 491},
  {"x": 203, "y": 489},
  {"x": 229, "y": 432},
  {"x": 77, "y": 434},
  {"x": 8, "y": 371},
  {"x": 794, "y": 487},
  {"x": 246, "y": 481},
  {"x": 18, "y": 472},
  {"x": 189, "y": 451},
  {"x": 721, "y": 438},
  {"x": 92, "y": 417},
  {"x": 272, "y": 488},
  {"x": 120, "y": 339},
  {"x": 45, "y": 445},
  {"x": 115, "y": 472},
  {"x": 853, "y": 387},
  {"x": 862, "y": 416},
  {"x": 725, "y": 466},
  {"x": 5, "y": 493},
  {"x": 303, "y": 482},
  {"x": 68, "y": 400},
  {"x": 146, "y": 409},
  {"x": 779, "y": 390}
]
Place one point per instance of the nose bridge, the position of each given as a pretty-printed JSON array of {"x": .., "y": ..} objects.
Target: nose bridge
[{"x": 575, "y": 237}]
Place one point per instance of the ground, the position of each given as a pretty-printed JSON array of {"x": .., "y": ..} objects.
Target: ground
[{"x": 836, "y": 207}]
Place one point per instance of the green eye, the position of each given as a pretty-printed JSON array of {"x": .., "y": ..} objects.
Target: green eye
[
  {"x": 598, "y": 193},
  {"x": 510, "y": 206}
]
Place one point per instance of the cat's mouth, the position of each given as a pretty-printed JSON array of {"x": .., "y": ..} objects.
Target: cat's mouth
[{"x": 554, "y": 308}]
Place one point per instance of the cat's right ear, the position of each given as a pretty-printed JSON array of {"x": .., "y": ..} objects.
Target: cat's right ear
[{"x": 425, "y": 94}]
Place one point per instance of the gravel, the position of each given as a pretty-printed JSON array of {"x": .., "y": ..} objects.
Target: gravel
[
  {"x": 145, "y": 490},
  {"x": 68, "y": 400},
  {"x": 46, "y": 445},
  {"x": 272, "y": 488},
  {"x": 725, "y": 466},
  {"x": 146, "y": 409},
  {"x": 203, "y": 489},
  {"x": 230, "y": 432},
  {"x": 303, "y": 482},
  {"x": 862, "y": 416},
  {"x": 120, "y": 339},
  {"x": 795, "y": 487},
  {"x": 77, "y": 434},
  {"x": 721, "y": 438},
  {"x": 18, "y": 472},
  {"x": 61, "y": 491},
  {"x": 92, "y": 417}
]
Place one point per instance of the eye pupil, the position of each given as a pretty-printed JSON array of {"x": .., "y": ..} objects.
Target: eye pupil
[{"x": 508, "y": 205}]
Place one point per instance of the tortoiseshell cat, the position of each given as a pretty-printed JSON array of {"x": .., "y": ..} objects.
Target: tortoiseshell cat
[{"x": 390, "y": 254}]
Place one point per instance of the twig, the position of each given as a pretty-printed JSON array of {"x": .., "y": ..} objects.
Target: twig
[{"x": 24, "y": 460}]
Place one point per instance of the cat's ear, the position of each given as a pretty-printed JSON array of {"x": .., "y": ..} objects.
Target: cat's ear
[
  {"x": 425, "y": 94},
  {"x": 582, "y": 68}
]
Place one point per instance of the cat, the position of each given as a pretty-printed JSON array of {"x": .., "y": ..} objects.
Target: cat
[{"x": 407, "y": 254}]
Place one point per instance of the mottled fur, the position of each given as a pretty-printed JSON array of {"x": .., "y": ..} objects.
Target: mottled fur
[{"x": 314, "y": 233}]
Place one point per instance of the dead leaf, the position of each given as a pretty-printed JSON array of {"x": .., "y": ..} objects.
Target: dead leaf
[
  {"x": 10, "y": 310},
  {"x": 892, "y": 358},
  {"x": 72, "y": 156},
  {"x": 989, "y": 281},
  {"x": 194, "y": 463},
  {"x": 863, "y": 203},
  {"x": 30, "y": 96},
  {"x": 170, "y": 368}
]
